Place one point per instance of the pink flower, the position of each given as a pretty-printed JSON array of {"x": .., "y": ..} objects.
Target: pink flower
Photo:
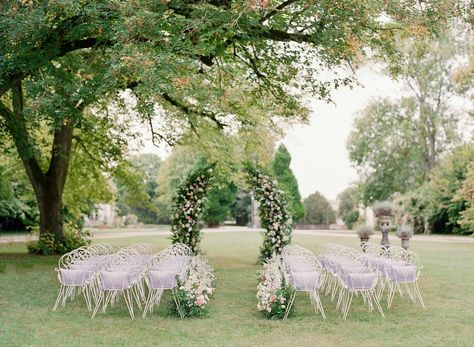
[
  {"x": 273, "y": 298},
  {"x": 200, "y": 301}
]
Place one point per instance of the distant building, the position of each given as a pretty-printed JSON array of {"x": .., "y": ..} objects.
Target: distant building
[
  {"x": 103, "y": 215},
  {"x": 254, "y": 216}
]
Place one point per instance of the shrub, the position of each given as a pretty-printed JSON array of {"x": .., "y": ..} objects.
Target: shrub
[
  {"x": 273, "y": 293},
  {"x": 350, "y": 218},
  {"x": 48, "y": 245},
  {"x": 384, "y": 209},
  {"x": 404, "y": 231},
  {"x": 195, "y": 291},
  {"x": 364, "y": 231}
]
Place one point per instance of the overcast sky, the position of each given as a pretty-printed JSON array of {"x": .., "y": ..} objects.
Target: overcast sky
[
  {"x": 319, "y": 156},
  {"x": 320, "y": 159}
]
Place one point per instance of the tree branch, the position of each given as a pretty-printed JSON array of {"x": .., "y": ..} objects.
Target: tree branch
[
  {"x": 276, "y": 10},
  {"x": 188, "y": 110}
]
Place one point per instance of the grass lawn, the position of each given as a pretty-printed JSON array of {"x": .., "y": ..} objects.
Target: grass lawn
[{"x": 28, "y": 288}]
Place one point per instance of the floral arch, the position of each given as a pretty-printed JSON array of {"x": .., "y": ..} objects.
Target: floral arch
[{"x": 189, "y": 207}]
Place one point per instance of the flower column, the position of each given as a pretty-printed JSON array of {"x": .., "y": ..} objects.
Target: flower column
[
  {"x": 189, "y": 204},
  {"x": 273, "y": 211}
]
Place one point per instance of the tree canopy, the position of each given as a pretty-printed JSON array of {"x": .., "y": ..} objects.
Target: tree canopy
[
  {"x": 287, "y": 181},
  {"x": 318, "y": 210},
  {"x": 197, "y": 71},
  {"x": 395, "y": 144}
]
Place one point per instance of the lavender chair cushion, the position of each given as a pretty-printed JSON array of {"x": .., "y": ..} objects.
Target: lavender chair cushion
[
  {"x": 162, "y": 279},
  {"x": 306, "y": 281},
  {"x": 115, "y": 280},
  {"x": 365, "y": 281},
  {"x": 81, "y": 266},
  {"x": 77, "y": 277},
  {"x": 403, "y": 274},
  {"x": 301, "y": 268},
  {"x": 355, "y": 270}
]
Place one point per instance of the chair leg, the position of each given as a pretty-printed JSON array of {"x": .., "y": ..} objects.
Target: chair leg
[
  {"x": 418, "y": 293},
  {"x": 178, "y": 304},
  {"x": 59, "y": 298},
  {"x": 377, "y": 303},
  {"x": 108, "y": 296},
  {"x": 149, "y": 302},
  {"x": 129, "y": 301},
  {"x": 97, "y": 305},
  {"x": 319, "y": 304},
  {"x": 349, "y": 302},
  {"x": 290, "y": 304}
]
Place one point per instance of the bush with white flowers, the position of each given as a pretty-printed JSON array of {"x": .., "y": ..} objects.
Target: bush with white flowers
[
  {"x": 195, "y": 291},
  {"x": 273, "y": 210},
  {"x": 273, "y": 293},
  {"x": 189, "y": 205}
]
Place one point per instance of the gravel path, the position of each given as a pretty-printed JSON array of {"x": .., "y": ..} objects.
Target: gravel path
[{"x": 123, "y": 233}]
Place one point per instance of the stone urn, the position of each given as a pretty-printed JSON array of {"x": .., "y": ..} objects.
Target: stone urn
[
  {"x": 405, "y": 232},
  {"x": 385, "y": 212},
  {"x": 405, "y": 243},
  {"x": 385, "y": 228},
  {"x": 364, "y": 232}
]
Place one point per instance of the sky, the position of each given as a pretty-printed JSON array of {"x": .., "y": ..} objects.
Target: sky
[{"x": 320, "y": 160}]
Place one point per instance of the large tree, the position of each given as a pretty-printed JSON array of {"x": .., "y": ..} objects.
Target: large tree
[
  {"x": 212, "y": 68},
  {"x": 396, "y": 143},
  {"x": 318, "y": 210},
  {"x": 287, "y": 181}
]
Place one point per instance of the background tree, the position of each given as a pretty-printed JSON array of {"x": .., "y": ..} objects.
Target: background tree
[
  {"x": 466, "y": 194},
  {"x": 18, "y": 207},
  {"x": 138, "y": 190},
  {"x": 439, "y": 204},
  {"x": 62, "y": 59},
  {"x": 349, "y": 201},
  {"x": 287, "y": 181},
  {"x": 241, "y": 208},
  {"x": 396, "y": 143},
  {"x": 220, "y": 200},
  {"x": 318, "y": 210}
]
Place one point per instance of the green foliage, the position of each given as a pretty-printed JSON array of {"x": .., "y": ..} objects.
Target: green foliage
[
  {"x": 172, "y": 173},
  {"x": 207, "y": 66},
  {"x": 274, "y": 214},
  {"x": 17, "y": 199},
  {"x": 349, "y": 206},
  {"x": 444, "y": 209},
  {"x": 241, "y": 208},
  {"x": 287, "y": 181},
  {"x": 219, "y": 203},
  {"x": 137, "y": 188},
  {"x": 48, "y": 245},
  {"x": 189, "y": 205},
  {"x": 186, "y": 310},
  {"x": 466, "y": 193},
  {"x": 439, "y": 205},
  {"x": 351, "y": 218},
  {"x": 277, "y": 309},
  {"x": 318, "y": 210},
  {"x": 396, "y": 143}
]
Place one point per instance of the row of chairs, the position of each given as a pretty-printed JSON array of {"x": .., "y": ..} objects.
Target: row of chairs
[
  {"x": 343, "y": 272},
  {"x": 103, "y": 273}
]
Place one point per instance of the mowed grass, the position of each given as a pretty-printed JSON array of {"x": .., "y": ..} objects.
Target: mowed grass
[{"x": 28, "y": 288}]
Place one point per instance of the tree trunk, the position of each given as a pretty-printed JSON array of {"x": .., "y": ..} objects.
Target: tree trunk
[
  {"x": 50, "y": 192},
  {"x": 49, "y": 186},
  {"x": 50, "y": 205}
]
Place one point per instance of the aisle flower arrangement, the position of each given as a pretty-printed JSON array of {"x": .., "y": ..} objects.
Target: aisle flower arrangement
[
  {"x": 273, "y": 210},
  {"x": 189, "y": 205},
  {"x": 273, "y": 292},
  {"x": 195, "y": 291}
]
